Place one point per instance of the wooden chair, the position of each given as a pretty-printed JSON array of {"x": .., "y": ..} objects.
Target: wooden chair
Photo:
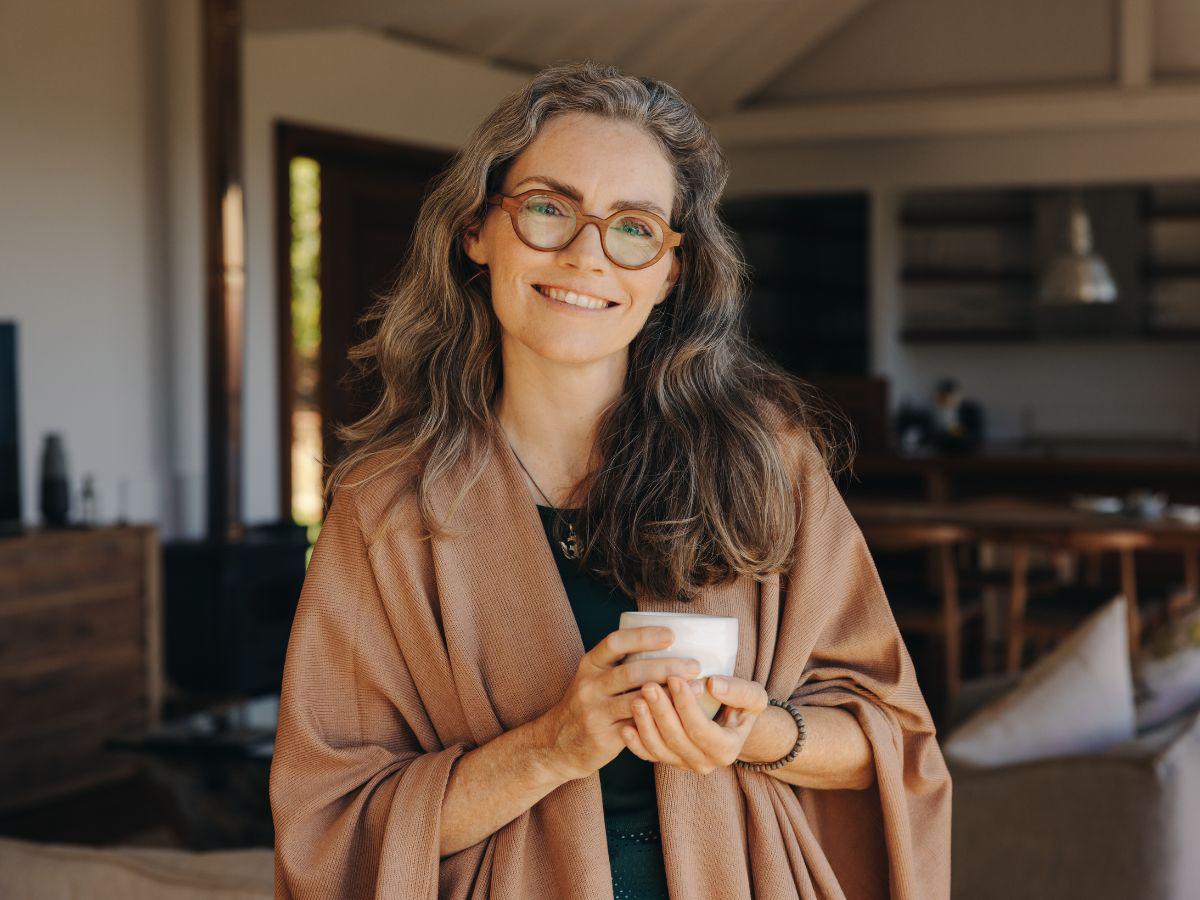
[
  {"x": 1186, "y": 595},
  {"x": 932, "y": 607},
  {"x": 1057, "y": 609}
]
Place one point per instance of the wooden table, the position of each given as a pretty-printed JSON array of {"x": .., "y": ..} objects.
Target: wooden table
[
  {"x": 1038, "y": 470},
  {"x": 213, "y": 767},
  {"x": 1022, "y": 523},
  {"x": 1017, "y": 517}
]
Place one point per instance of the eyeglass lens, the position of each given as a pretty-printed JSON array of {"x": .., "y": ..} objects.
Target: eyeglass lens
[{"x": 547, "y": 222}]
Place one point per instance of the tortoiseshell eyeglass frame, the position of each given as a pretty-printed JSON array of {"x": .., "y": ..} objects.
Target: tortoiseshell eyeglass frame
[{"x": 511, "y": 205}]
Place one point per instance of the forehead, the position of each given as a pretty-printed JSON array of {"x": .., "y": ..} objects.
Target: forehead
[{"x": 605, "y": 160}]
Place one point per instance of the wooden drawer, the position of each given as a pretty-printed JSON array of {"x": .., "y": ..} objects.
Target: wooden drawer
[
  {"x": 66, "y": 624},
  {"x": 38, "y": 564},
  {"x": 37, "y": 694},
  {"x": 80, "y": 655}
]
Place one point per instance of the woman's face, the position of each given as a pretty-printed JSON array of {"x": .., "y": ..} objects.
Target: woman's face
[{"x": 604, "y": 162}]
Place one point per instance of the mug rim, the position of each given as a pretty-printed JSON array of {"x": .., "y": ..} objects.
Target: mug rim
[{"x": 646, "y": 612}]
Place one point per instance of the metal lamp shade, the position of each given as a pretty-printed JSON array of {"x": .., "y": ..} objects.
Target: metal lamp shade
[{"x": 1078, "y": 275}]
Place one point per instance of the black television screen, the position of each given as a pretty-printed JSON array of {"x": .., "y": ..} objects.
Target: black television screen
[{"x": 10, "y": 444}]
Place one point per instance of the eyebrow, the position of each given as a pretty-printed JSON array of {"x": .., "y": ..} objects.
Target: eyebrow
[{"x": 575, "y": 194}]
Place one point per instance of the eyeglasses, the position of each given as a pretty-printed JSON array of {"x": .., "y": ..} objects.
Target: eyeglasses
[{"x": 548, "y": 220}]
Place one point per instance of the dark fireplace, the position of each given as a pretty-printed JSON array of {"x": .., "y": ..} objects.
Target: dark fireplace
[{"x": 228, "y": 608}]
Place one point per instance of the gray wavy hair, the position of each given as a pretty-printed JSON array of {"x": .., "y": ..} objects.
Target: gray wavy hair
[{"x": 689, "y": 485}]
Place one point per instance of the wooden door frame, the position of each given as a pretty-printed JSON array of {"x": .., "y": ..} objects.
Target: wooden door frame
[
  {"x": 224, "y": 256},
  {"x": 292, "y": 139}
]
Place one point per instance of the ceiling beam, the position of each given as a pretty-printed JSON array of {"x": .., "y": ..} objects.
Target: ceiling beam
[
  {"x": 554, "y": 39},
  {"x": 699, "y": 34},
  {"x": 690, "y": 70},
  {"x": 979, "y": 114},
  {"x": 775, "y": 45},
  {"x": 1135, "y": 43},
  {"x": 500, "y": 43}
]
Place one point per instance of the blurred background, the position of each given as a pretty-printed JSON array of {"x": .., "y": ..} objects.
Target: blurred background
[{"x": 975, "y": 226}]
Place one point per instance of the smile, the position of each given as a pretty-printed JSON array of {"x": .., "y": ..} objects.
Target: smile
[{"x": 570, "y": 298}]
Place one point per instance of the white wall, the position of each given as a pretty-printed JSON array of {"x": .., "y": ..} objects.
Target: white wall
[
  {"x": 185, "y": 337},
  {"x": 345, "y": 79},
  {"x": 83, "y": 261},
  {"x": 101, "y": 227},
  {"x": 1136, "y": 387}
]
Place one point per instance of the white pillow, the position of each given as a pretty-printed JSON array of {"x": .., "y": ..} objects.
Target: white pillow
[
  {"x": 1167, "y": 672},
  {"x": 1076, "y": 699}
]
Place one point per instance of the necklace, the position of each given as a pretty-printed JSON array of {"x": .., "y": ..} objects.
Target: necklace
[{"x": 570, "y": 547}]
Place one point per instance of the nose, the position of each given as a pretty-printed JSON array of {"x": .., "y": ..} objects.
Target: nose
[{"x": 586, "y": 250}]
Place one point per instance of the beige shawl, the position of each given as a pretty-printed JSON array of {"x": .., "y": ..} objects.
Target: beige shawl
[{"x": 405, "y": 654}]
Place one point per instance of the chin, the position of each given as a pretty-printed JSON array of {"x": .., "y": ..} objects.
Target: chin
[
  {"x": 569, "y": 354},
  {"x": 569, "y": 349}
]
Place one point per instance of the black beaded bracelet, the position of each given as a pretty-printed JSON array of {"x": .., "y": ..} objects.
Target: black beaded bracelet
[{"x": 800, "y": 739}]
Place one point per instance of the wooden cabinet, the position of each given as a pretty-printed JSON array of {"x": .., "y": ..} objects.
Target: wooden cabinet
[{"x": 80, "y": 655}]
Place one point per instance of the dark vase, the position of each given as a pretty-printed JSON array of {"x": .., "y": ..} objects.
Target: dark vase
[{"x": 56, "y": 486}]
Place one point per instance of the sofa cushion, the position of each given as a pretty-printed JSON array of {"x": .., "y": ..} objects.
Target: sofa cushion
[
  {"x": 1166, "y": 671},
  {"x": 36, "y": 871},
  {"x": 1076, "y": 699}
]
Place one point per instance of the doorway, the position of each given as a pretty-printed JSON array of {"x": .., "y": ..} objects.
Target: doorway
[{"x": 347, "y": 205}]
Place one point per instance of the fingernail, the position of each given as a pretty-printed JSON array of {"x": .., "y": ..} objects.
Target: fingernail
[
  {"x": 697, "y": 687},
  {"x": 675, "y": 684},
  {"x": 652, "y": 692},
  {"x": 719, "y": 684}
]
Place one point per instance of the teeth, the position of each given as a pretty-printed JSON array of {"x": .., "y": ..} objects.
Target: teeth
[{"x": 573, "y": 298}]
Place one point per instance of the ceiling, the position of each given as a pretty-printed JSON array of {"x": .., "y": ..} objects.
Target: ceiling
[
  {"x": 740, "y": 59},
  {"x": 732, "y": 55}
]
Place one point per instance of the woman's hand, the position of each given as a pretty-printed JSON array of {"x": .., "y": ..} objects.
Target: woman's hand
[
  {"x": 672, "y": 728},
  {"x": 584, "y": 727}
]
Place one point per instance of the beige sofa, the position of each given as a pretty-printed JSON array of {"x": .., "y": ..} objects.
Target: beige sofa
[
  {"x": 1115, "y": 825},
  {"x": 35, "y": 871}
]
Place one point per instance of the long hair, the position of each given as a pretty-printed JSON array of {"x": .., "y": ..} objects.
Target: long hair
[{"x": 688, "y": 485}]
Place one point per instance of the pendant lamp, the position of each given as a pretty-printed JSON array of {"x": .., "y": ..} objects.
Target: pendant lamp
[{"x": 1077, "y": 275}]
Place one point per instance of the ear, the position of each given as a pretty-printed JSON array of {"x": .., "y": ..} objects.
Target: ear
[
  {"x": 472, "y": 244},
  {"x": 672, "y": 276}
]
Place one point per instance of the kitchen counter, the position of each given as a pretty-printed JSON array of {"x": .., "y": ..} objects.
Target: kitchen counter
[{"x": 1042, "y": 469}]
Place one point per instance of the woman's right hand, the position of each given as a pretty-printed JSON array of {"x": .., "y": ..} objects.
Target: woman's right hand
[{"x": 584, "y": 727}]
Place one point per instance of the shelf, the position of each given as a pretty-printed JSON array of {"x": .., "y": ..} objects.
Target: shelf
[
  {"x": 1173, "y": 334},
  {"x": 1163, "y": 215},
  {"x": 943, "y": 276},
  {"x": 934, "y": 335},
  {"x": 969, "y": 266},
  {"x": 967, "y": 219},
  {"x": 1152, "y": 271}
]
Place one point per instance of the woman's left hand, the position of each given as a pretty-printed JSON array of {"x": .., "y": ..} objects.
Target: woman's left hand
[{"x": 672, "y": 728}]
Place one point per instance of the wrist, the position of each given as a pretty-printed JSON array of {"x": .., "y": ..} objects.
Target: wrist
[
  {"x": 550, "y": 760},
  {"x": 772, "y": 737}
]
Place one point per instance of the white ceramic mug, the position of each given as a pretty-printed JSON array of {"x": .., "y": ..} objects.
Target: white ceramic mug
[{"x": 713, "y": 640}]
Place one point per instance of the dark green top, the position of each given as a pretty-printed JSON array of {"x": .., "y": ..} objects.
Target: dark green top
[{"x": 626, "y": 782}]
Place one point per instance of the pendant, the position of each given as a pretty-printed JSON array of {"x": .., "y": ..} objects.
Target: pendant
[{"x": 570, "y": 548}]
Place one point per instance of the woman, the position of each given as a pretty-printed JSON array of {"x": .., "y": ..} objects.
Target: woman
[{"x": 572, "y": 424}]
